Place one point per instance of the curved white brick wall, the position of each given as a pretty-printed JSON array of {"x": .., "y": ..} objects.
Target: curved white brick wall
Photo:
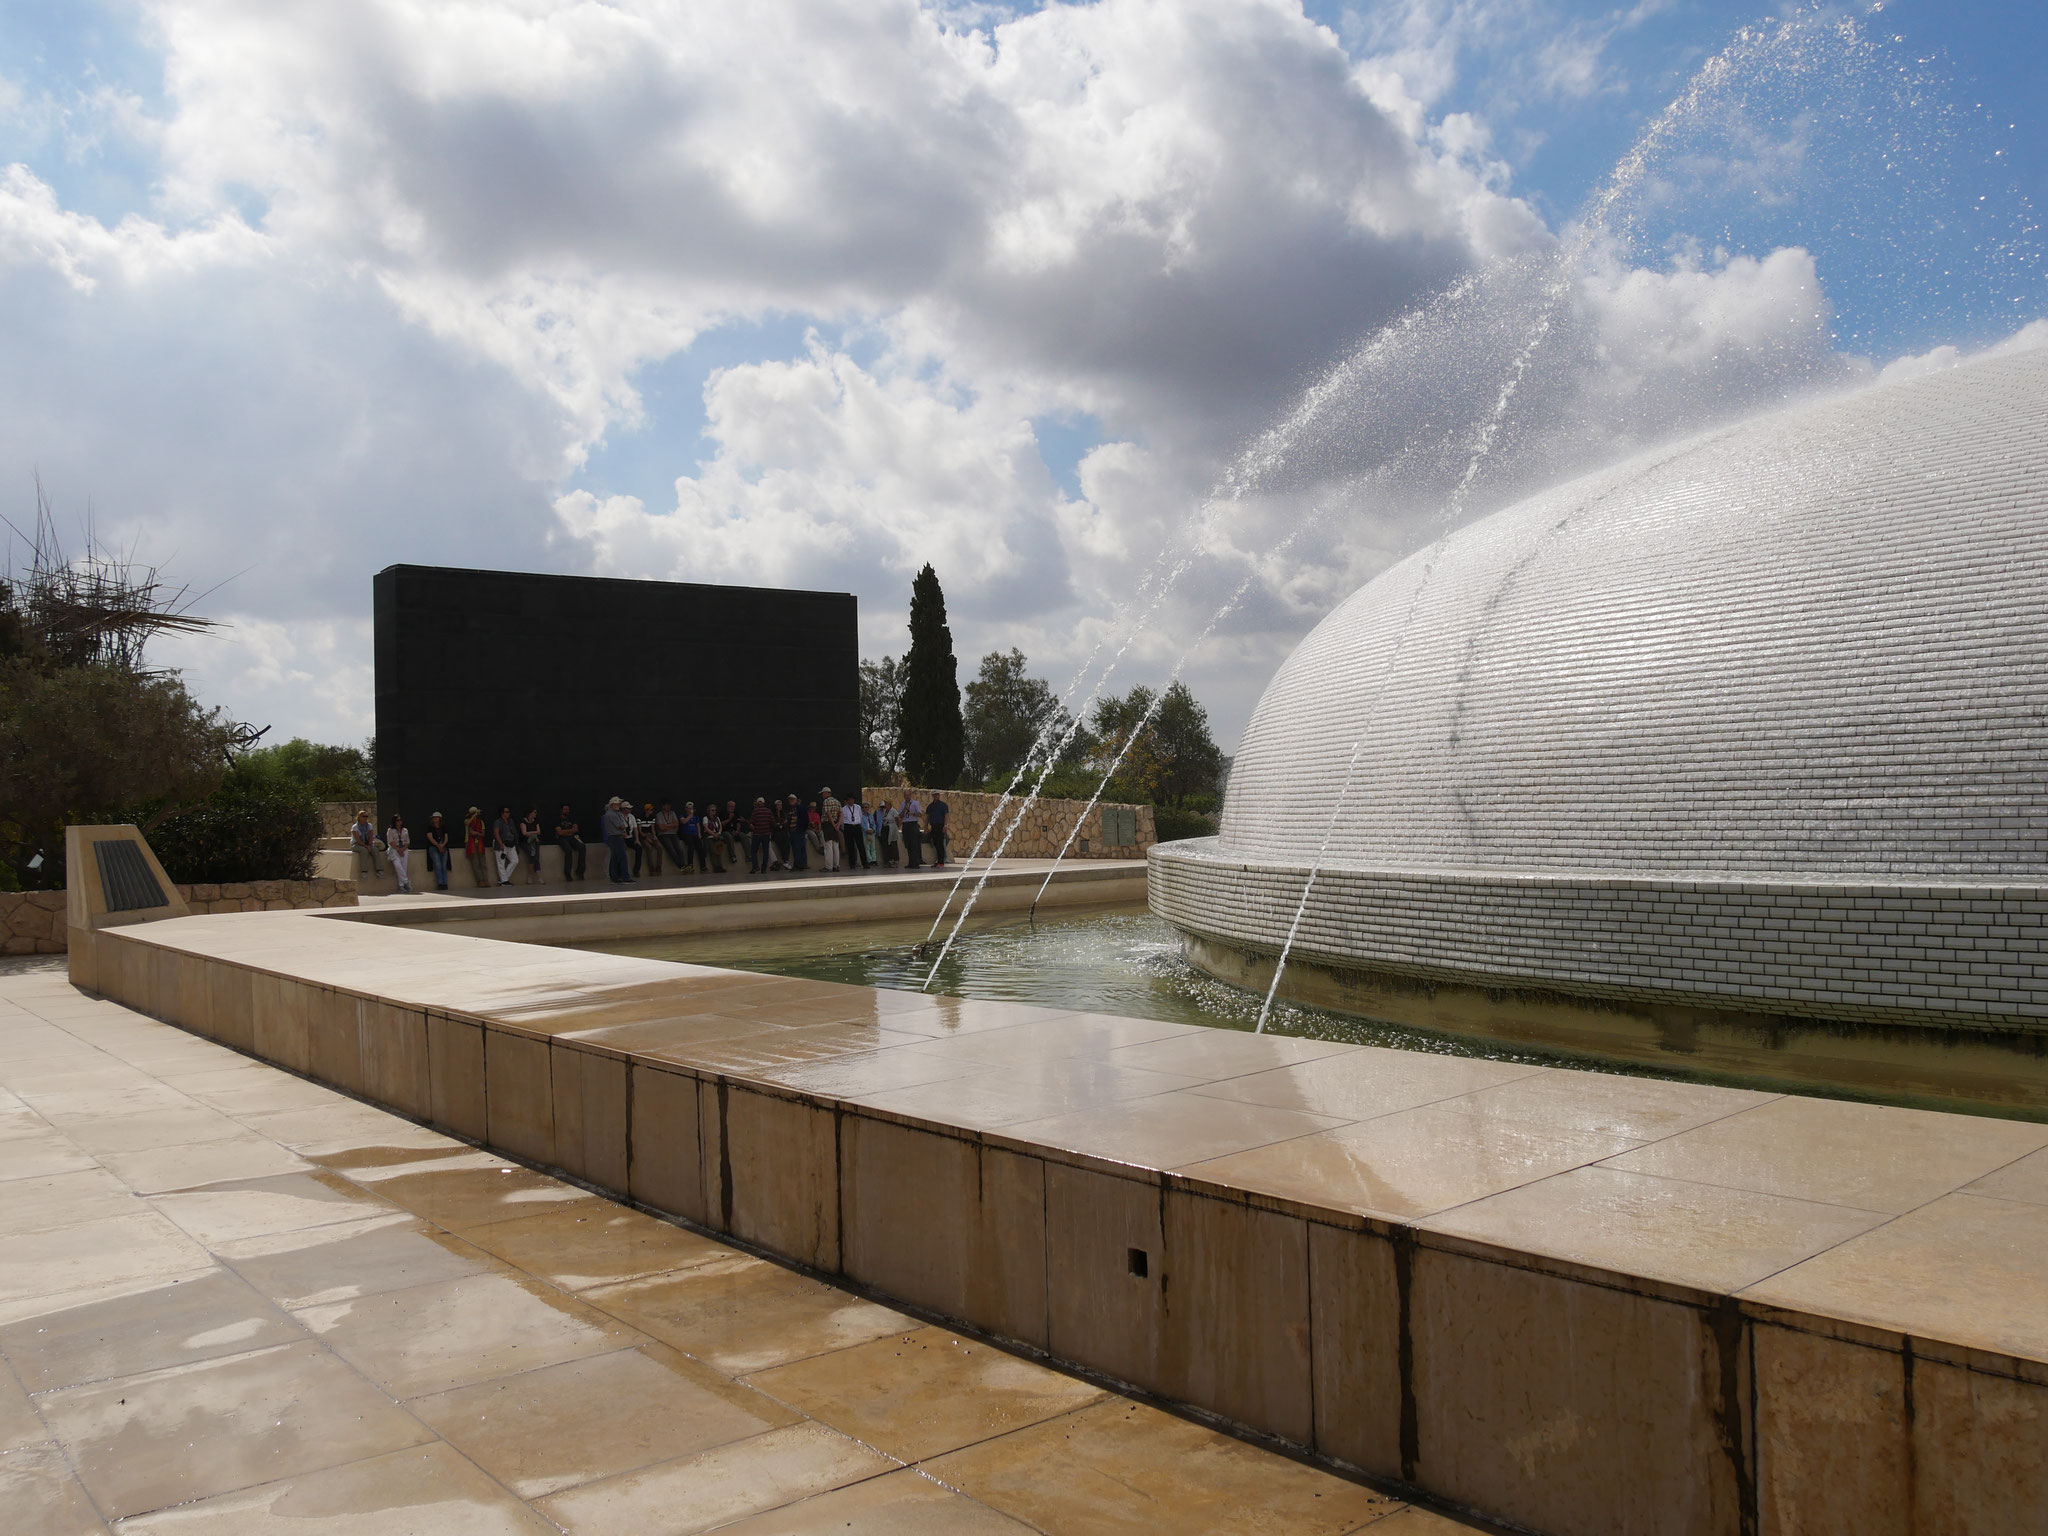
[
  {"x": 1801, "y": 663},
  {"x": 1901, "y": 953}
]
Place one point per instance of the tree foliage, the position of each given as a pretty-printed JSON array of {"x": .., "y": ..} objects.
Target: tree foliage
[
  {"x": 97, "y": 744},
  {"x": 1172, "y": 759},
  {"x": 258, "y": 825},
  {"x": 1007, "y": 713},
  {"x": 87, "y": 733},
  {"x": 881, "y": 723},
  {"x": 328, "y": 772},
  {"x": 929, "y": 715}
]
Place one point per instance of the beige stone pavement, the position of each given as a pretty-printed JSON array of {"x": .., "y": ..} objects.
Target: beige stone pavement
[{"x": 234, "y": 1301}]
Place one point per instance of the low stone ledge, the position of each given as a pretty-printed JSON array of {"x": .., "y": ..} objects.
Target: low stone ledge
[{"x": 32, "y": 922}]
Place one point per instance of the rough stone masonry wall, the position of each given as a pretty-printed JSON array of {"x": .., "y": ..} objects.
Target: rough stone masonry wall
[
  {"x": 1044, "y": 829},
  {"x": 32, "y": 922},
  {"x": 337, "y": 816}
]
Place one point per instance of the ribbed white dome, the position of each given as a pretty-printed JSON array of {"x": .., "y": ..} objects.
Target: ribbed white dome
[{"x": 1813, "y": 645}]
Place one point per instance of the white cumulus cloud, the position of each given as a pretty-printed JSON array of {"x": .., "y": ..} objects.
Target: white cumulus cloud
[{"x": 401, "y": 273}]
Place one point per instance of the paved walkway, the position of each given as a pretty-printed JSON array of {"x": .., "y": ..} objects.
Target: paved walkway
[{"x": 233, "y": 1301}]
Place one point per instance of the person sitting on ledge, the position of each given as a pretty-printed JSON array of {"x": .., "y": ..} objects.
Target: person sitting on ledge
[
  {"x": 398, "y": 843},
  {"x": 668, "y": 831},
  {"x": 364, "y": 836},
  {"x": 569, "y": 838},
  {"x": 645, "y": 841},
  {"x": 714, "y": 839},
  {"x": 529, "y": 844},
  {"x": 438, "y": 857},
  {"x": 474, "y": 833},
  {"x": 814, "y": 842},
  {"x": 737, "y": 825}
]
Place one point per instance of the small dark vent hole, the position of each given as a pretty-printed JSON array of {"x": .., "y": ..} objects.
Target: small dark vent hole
[{"x": 1140, "y": 1262}]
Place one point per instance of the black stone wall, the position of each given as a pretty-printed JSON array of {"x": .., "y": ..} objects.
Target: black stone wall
[{"x": 495, "y": 687}]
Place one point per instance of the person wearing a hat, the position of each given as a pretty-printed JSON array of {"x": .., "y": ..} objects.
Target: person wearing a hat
[
  {"x": 615, "y": 824},
  {"x": 473, "y": 834},
  {"x": 711, "y": 827},
  {"x": 364, "y": 836},
  {"x": 828, "y": 810},
  {"x": 797, "y": 826}
]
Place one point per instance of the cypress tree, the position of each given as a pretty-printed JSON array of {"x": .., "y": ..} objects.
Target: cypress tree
[{"x": 933, "y": 740}]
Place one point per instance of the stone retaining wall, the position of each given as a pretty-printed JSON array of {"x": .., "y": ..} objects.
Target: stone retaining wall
[
  {"x": 337, "y": 816},
  {"x": 269, "y": 895},
  {"x": 32, "y": 922},
  {"x": 1044, "y": 830}
]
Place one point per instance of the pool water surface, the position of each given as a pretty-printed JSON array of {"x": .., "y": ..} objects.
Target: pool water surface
[{"x": 1120, "y": 960}]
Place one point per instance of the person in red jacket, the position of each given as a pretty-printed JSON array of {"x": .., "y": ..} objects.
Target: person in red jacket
[{"x": 764, "y": 835}]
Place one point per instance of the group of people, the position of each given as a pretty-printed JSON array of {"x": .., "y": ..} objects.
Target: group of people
[{"x": 827, "y": 834}]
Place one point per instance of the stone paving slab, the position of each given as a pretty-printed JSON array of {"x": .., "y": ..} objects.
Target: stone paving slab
[{"x": 357, "y": 1324}]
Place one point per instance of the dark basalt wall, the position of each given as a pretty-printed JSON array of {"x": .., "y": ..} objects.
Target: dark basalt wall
[{"x": 497, "y": 687}]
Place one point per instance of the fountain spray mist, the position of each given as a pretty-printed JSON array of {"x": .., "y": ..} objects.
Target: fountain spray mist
[
  {"x": 1053, "y": 757},
  {"x": 1293, "y": 928},
  {"x": 1268, "y": 451},
  {"x": 1433, "y": 357},
  {"x": 1610, "y": 218}
]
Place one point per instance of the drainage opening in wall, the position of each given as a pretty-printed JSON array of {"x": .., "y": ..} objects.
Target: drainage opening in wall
[{"x": 1140, "y": 1262}]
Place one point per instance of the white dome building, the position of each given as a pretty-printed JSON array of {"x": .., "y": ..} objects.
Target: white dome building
[{"x": 1713, "y": 752}]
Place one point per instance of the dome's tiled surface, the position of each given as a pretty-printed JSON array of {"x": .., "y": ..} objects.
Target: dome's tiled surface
[
  {"x": 1813, "y": 644},
  {"x": 1808, "y": 652}
]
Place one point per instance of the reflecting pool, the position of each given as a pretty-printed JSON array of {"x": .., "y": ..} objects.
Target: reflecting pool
[{"x": 1109, "y": 960}]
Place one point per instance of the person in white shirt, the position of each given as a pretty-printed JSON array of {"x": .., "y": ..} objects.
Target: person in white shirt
[
  {"x": 364, "y": 836},
  {"x": 829, "y": 832},
  {"x": 913, "y": 830},
  {"x": 398, "y": 844},
  {"x": 853, "y": 828}
]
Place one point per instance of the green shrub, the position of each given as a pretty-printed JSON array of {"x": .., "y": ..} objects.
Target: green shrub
[
  {"x": 247, "y": 831},
  {"x": 1175, "y": 822}
]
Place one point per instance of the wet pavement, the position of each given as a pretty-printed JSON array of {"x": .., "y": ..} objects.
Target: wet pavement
[{"x": 234, "y": 1301}]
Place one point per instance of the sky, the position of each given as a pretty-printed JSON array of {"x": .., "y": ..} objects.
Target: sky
[{"x": 807, "y": 293}]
